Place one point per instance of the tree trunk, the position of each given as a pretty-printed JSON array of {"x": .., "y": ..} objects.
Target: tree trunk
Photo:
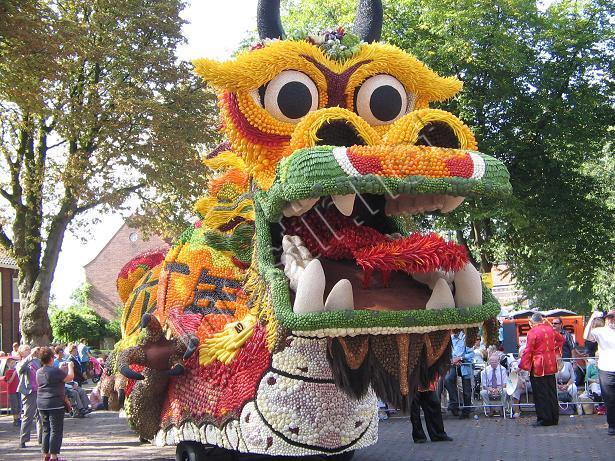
[
  {"x": 481, "y": 231},
  {"x": 33, "y": 317}
]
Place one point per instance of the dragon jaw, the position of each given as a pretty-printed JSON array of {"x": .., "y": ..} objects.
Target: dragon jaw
[{"x": 313, "y": 224}]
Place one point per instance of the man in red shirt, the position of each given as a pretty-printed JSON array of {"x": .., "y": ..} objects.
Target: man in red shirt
[{"x": 544, "y": 345}]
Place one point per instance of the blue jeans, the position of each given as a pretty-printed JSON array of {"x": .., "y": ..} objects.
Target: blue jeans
[
  {"x": 53, "y": 430},
  {"x": 450, "y": 383}
]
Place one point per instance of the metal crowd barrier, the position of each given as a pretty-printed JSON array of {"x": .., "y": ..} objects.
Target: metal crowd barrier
[{"x": 507, "y": 406}]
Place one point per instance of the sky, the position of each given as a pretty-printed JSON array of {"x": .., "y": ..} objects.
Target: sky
[{"x": 210, "y": 33}]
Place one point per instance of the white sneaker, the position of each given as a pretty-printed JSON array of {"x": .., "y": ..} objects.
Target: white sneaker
[{"x": 516, "y": 415}]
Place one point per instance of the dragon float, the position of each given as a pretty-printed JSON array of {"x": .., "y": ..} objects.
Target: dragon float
[{"x": 303, "y": 291}]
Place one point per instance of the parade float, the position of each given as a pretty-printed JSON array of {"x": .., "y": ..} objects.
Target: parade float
[{"x": 302, "y": 292}]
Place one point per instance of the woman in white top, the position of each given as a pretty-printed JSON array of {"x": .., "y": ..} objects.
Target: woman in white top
[{"x": 605, "y": 337}]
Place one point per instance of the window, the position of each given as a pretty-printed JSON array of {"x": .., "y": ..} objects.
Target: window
[{"x": 15, "y": 290}]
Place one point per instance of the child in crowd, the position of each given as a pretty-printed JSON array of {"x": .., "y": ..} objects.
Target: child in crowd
[
  {"x": 14, "y": 352},
  {"x": 12, "y": 381},
  {"x": 96, "y": 399},
  {"x": 593, "y": 379}
]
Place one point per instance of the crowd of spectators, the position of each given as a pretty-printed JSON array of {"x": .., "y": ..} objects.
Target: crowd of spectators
[
  {"x": 488, "y": 378},
  {"x": 45, "y": 383}
]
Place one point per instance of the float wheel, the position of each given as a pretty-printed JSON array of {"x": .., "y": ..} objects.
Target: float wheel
[{"x": 190, "y": 451}]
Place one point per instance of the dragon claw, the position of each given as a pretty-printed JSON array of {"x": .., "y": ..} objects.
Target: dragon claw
[
  {"x": 177, "y": 370},
  {"x": 130, "y": 373}
]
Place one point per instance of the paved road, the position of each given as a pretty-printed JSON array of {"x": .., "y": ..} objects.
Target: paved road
[{"x": 102, "y": 436}]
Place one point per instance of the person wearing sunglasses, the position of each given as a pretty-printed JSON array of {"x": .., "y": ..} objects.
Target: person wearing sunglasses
[{"x": 569, "y": 344}]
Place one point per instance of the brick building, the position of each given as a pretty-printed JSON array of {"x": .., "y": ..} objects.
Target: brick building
[
  {"x": 9, "y": 302},
  {"x": 101, "y": 272},
  {"x": 505, "y": 288}
]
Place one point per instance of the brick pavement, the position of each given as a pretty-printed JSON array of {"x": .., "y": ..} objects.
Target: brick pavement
[{"x": 102, "y": 436}]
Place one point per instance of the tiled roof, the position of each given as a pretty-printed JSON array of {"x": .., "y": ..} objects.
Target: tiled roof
[{"x": 6, "y": 260}]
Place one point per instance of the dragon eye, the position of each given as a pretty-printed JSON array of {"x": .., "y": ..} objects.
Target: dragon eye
[
  {"x": 381, "y": 99},
  {"x": 289, "y": 96}
]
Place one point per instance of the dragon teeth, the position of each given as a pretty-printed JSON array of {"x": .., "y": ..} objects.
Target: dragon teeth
[
  {"x": 299, "y": 207},
  {"x": 340, "y": 297},
  {"x": 344, "y": 203},
  {"x": 450, "y": 203},
  {"x": 287, "y": 243},
  {"x": 406, "y": 204},
  {"x": 428, "y": 278},
  {"x": 466, "y": 282},
  {"x": 307, "y": 279},
  {"x": 441, "y": 296},
  {"x": 295, "y": 257},
  {"x": 468, "y": 287},
  {"x": 310, "y": 289}
]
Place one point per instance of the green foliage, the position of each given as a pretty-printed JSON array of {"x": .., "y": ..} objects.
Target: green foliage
[
  {"x": 71, "y": 324},
  {"x": 80, "y": 321},
  {"x": 538, "y": 94},
  {"x": 80, "y": 295},
  {"x": 113, "y": 328},
  {"x": 316, "y": 15}
]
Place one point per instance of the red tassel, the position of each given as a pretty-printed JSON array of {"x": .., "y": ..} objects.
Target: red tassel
[{"x": 339, "y": 237}]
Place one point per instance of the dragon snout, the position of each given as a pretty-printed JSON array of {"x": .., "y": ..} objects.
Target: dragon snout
[
  {"x": 340, "y": 127},
  {"x": 333, "y": 126}
]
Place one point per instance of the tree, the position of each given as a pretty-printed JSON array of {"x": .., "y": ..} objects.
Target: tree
[
  {"x": 74, "y": 323},
  {"x": 95, "y": 107},
  {"x": 78, "y": 321},
  {"x": 538, "y": 93},
  {"x": 113, "y": 328}
]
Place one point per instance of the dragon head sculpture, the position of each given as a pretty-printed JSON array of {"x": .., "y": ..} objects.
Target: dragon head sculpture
[{"x": 302, "y": 287}]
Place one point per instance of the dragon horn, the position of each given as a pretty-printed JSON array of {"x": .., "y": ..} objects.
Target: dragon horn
[
  {"x": 268, "y": 19},
  {"x": 145, "y": 320},
  {"x": 193, "y": 343},
  {"x": 368, "y": 23}
]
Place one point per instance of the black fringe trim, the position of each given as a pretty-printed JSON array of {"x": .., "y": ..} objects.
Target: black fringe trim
[{"x": 355, "y": 383}]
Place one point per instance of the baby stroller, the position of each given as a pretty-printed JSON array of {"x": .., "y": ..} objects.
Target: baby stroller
[{"x": 97, "y": 369}]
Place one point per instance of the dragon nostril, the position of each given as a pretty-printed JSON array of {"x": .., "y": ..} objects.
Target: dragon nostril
[
  {"x": 438, "y": 134},
  {"x": 338, "y": 133}
]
